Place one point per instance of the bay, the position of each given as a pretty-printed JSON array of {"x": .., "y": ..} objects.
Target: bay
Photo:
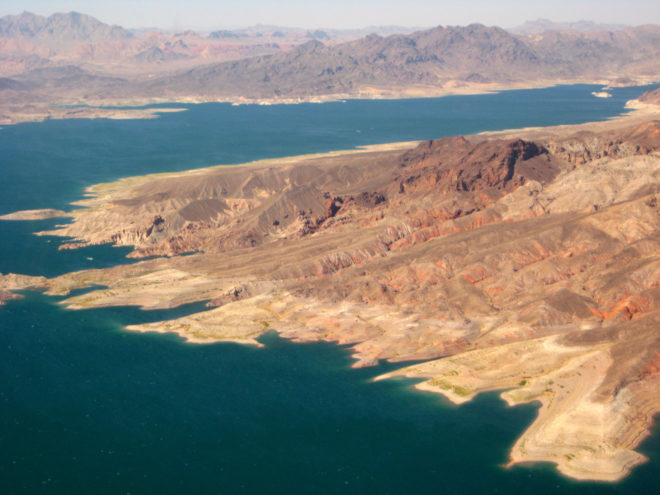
[{"x": 87, "y": 407}]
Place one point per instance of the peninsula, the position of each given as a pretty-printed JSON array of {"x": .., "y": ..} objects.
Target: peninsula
[{"x": 525, "y": 261}]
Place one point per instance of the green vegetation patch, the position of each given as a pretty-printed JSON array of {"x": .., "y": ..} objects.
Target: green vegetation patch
[{"x": 445, "y": 385}]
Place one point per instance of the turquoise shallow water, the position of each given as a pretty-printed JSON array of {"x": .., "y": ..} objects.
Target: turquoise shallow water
[{"x": 86, "y": 407}]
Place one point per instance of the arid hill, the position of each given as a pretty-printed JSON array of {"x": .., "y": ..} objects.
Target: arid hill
[
  {"x": 29, "y": 41},
  {"x": 60, "y": 29},
  {"x": 526, "y": 261},
  {"x": 107, "y": 65},
  {"x": 424, "y": 61}
]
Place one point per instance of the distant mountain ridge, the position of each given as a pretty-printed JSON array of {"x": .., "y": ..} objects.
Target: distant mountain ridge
[
  {"x": 74, "y": 57},
  {"x": 429, "y": 58},
  {"x": 422, "y": 58},
  {"x": 539, "y": 26},
  {"x": 282, "y": 31},
  {"x": 74, "y": 26},
  {"x": 59, "y": 28}
]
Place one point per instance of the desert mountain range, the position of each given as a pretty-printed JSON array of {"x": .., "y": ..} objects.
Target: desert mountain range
[
  {"x": 59, "y": 29},
  {"x": 75, "y": 59},
  {"x": 425, "y": 60}
]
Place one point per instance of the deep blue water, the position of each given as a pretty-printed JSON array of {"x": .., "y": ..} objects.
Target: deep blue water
[{"x": 86, "y": 407}]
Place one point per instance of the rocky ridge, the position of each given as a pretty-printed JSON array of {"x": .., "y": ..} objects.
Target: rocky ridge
[
  {"x": 427, "y": 61},
  {"x": 60, "y": 29}
]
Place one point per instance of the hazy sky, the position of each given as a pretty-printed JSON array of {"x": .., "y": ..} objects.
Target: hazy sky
[{"x": 210, "y": 14}]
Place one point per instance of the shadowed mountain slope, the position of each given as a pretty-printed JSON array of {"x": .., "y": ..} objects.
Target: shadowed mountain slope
[{"x": 431, "y": 58}]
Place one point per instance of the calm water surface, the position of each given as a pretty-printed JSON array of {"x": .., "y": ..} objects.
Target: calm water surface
[{"x": 86, "y": 407}]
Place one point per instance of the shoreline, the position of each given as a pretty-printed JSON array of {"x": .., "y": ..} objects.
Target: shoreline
[
  {"x": 129, "y": 108},
  {"x": 561, "y": 409},
  {"x": 543, "y": 362},
  {"x": 635, "y": 111},
  {"x": 45, "y": 112},
  {"x": 92, "y": 192}
]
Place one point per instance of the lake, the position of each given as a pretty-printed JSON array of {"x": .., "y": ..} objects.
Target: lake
[{"x": 86, "y": 407}]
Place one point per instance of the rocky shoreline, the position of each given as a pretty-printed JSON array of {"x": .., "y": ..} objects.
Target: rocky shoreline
[{"x": 524, "y": 260}]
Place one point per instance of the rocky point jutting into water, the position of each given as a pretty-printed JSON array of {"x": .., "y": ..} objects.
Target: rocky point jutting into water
[{"x": 522, "y": 260}]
